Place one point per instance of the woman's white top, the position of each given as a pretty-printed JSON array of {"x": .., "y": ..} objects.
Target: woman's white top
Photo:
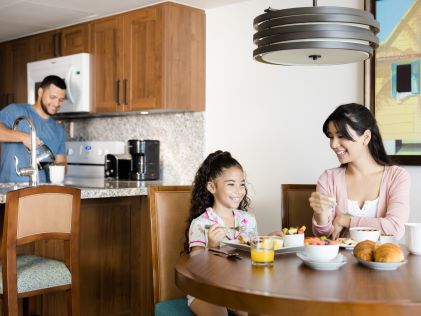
[{"x": 369, "y": 208}]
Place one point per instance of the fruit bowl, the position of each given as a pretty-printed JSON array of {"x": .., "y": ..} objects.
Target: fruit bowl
[
  {"x": 321, "y": 253},
  {"x": 321, "y": 250}
]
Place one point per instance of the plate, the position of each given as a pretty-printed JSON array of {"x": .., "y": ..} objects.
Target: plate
[
  {"x": 236, "y": 244},
  {"x": 381, "y": 265},
  {"x": 333, "y": 264},
  {"x": 349, "y": 245}
]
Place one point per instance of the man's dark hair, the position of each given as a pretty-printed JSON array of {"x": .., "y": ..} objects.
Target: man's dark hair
[{"x": 55, "y": 80}]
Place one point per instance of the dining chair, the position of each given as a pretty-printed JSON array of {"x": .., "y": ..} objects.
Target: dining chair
[
  {"x": 33, "y": 215},
  {"x": 296, "y": 210},
  {"x": 169, "y": 210}
]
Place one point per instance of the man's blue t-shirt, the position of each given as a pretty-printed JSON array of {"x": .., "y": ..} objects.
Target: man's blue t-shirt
[{"x": 48, "y": 131}]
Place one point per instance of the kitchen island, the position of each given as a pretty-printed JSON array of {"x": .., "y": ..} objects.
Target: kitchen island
[{"x": 115, "y": 253}]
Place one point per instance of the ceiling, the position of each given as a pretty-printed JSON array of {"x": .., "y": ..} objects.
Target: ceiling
[{"x": 19, "y": 18}]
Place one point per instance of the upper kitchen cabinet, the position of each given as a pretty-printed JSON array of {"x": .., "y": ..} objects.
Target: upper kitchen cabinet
[
  {"x": 62, "y": 42},
  {"x": 6, "y": 85},
  {"x": 150, "y": 59},
  {"x": 22, "y": 53}
]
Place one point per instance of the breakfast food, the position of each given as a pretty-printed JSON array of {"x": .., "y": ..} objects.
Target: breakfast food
[
  {"x": 388, "y": 253},
  {"x": 345, "y": 241},
  {"x": 319, "y": 241},
  {"x": 365, "y": 250},
  {"x": 293, "y": 230},
  {"x": 244, "y": 240}
]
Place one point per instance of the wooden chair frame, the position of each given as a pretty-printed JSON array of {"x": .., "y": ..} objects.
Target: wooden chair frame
[
  {"x": 155, "y": 247},
  {"x": 287, "y": 213},
  {"x": 10, "y": 242}
]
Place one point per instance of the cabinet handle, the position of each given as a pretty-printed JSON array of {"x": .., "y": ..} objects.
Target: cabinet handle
[
  {"x": 117, "y": 94},
  {"x": 124, "y": 91}
]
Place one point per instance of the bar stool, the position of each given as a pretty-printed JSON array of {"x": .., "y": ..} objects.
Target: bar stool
[{"x": 36, "y": 214}]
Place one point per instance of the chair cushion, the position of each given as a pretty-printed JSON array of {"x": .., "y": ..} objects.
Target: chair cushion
[
  {"x": 34, "y": 273},
  {"x": 173, "y": 307}
]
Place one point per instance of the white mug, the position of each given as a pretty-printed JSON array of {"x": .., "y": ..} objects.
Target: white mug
[
  {"x": 413, "y": 237},
  {"x": 56, "y": 173}
]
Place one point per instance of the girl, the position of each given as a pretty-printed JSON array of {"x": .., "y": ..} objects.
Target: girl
[
  {"x": 366, "y": 190},
  {"x": 219, "y": 203}
]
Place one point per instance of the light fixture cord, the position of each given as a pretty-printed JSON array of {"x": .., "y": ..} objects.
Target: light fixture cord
[{"x": 314, "y": 3}]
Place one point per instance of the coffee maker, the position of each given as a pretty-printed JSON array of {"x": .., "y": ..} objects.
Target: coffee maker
[{"x": 145, "y": 159}]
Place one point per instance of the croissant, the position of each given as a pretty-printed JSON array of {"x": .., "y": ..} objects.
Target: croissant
[
  {"x": 364, "y": 250},
  {"x": 388, "y": 253}
]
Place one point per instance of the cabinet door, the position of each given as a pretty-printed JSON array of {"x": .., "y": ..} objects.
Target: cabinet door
[
  {"x": 6, "y": 75},
  {"x": 143, "y": 59},
  {"x": 44, "y": 46},
  {"x": 74, "y": 39},
  {"x": 22, "y": 52},
  {"x": 106, "y": 46}
]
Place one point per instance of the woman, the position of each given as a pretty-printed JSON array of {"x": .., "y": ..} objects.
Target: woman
[{"x": 366, "y": 190}]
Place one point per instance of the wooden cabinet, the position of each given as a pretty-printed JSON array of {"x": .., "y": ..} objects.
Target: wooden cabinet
[
  {"x": 22, "y": 53},
  {"x": 150, "y": 59},
  {"x": 66, "y": 41},
  {"x": 6, "y": 84},
  {"x": 115, "y": 260}
]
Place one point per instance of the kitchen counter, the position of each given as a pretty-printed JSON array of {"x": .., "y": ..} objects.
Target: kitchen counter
[
  {"x": 94, "y": 188},
  {"x": 115, "y": 256}
]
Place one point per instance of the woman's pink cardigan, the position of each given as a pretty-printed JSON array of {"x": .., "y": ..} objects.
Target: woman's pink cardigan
[{"x": 392, "y": 210}]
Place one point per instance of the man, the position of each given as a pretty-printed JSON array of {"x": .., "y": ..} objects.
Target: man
[{"x": 51, "y": 95}]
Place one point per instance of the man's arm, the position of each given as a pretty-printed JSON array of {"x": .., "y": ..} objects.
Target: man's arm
[{"x": 11, "y": 136}]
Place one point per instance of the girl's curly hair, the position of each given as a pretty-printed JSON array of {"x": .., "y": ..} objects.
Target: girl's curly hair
[{"x": 201, "y": 198}]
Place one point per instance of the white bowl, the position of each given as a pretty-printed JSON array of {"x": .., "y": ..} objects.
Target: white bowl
[
  {"x": 364, "y": 233},
  {"x": 321, "y": 253},
  {"x": 295, "y": 240}
]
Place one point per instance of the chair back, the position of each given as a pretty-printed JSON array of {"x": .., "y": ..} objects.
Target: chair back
[
  {"x": 296, "y": 210},
  {"x": 169, "y": 210},
  {"x": 39, "y": 213}
]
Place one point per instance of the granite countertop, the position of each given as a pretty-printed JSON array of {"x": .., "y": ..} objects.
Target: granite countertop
[{"x": 94, "y": 188}]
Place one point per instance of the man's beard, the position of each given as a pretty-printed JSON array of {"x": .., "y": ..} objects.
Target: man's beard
[{"x": 44, "y": 108}]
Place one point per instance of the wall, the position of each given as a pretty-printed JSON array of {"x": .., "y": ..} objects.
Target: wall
[
  {"x": 270, "y": 117},
  {"x": 181, "y": 137}
]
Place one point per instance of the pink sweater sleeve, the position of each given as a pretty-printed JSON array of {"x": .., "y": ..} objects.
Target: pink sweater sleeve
[
  {"x": 323, "y": 188},
  {"x": 394, "y": 211}
]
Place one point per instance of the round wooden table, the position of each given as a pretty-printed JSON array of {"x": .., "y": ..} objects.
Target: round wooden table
[{"x": 291, "y": 288}]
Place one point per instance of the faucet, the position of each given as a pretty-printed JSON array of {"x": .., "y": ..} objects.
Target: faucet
[{"x": 31, "y": 171}]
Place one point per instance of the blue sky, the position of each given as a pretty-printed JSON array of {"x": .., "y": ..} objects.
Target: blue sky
[{"x": 389, "y": 13}]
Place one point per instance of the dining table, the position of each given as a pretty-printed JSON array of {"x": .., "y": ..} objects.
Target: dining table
[{"x": 289, "y": 287}]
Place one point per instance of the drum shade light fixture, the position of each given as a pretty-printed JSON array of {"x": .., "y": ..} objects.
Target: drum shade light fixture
[{"x": 315, "y": 36}]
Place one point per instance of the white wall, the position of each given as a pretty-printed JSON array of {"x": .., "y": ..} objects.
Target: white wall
[{"x": 270, "y": 117}]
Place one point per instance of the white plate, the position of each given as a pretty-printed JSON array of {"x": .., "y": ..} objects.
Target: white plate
[
  {"x": 333, "y": 264},
  {"x": 236, "y": 244},
  {"x": 382, "y": 265}
]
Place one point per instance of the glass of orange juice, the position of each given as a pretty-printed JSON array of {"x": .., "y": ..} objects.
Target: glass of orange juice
[{"x": 262, "y": 251}]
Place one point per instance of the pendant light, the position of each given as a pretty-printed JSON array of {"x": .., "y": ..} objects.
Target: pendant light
[{"x": 315, "y": 36}]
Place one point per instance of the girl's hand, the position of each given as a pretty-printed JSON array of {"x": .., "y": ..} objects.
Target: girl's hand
[
  {"x": 321, "y": 203},
  {"x": 215, "y": 234}
]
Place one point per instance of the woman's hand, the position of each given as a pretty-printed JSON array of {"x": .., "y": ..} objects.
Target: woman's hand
[
  {"x": 321, "y": 203},
  {"x": 339, "y": 223},
  {"x": 215, "y": 234}
]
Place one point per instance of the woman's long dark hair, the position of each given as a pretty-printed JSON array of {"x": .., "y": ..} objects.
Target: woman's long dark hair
[
  {"x": 201, "y": 198},
  {"x": 360, "y": 119}
]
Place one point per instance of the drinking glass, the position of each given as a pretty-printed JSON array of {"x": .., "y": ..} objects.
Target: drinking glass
[{"x": 262, "y": 251}]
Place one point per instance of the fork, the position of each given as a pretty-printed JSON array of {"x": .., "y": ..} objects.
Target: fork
[{"x": 236, "y": 228}]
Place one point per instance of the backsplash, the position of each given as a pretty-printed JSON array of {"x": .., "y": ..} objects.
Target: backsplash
[{"x": 181, "y": 137}]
